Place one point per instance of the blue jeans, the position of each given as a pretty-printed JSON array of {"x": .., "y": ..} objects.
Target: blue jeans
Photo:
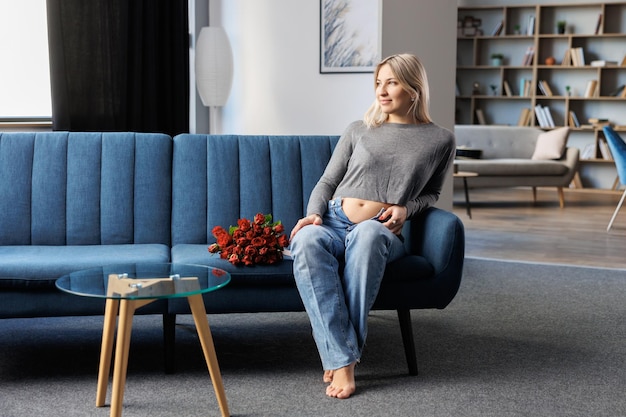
[{"x": 338, "y": 303}]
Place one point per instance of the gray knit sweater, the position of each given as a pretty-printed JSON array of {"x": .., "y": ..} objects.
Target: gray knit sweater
[{"x": 401, "y": 164}]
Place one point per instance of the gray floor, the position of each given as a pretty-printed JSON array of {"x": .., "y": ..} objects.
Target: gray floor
[{"x": 520, "y": 339}]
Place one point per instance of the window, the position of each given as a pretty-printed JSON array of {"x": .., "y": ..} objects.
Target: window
[{"x": 24, "y": 67}]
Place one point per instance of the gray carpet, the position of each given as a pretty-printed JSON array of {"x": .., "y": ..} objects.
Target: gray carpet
[{"x": 519, "y": 340}]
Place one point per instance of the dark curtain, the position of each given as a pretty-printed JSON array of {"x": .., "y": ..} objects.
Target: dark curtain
[{"x": 119, "y": 65}]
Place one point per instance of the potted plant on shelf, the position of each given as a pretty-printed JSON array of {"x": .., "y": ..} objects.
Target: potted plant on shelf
[
  {"x": 496, "y": 59},
  {"x": 560, "y": 27}
]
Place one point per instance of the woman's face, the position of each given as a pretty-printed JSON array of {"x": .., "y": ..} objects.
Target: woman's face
[{"x": 393, "y": 99}]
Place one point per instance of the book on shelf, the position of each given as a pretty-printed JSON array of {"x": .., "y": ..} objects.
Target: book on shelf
[
  {"x": 603, "y": 63},
  {"x": 588, "y": 152},
  {"x": 524, "y": 87},
  {"x": 591, "y": 89},
  {"x": 573, "y": 119},
  {"x": 544, "y": 116},
  {"x": 497, "y": 29},
  {"x": 618, "y": 92},
  {"x": 544, "y": 87},
  {"x": 605, "y": 152},
  {"x": 525, "y": 117},
  {"x": 598, "y": 121},
  {"x": 549, "y": 119},
  {"x": 567, "y": 58},
  {"x": 528, "y": 56},
  {"x": 599, "y": 24},
  {"x": 507, "y": 88},
  {"x": 530, "y": 30},
  {"x": 480, "y": 116},
  {"x": 577, "y": 56}
]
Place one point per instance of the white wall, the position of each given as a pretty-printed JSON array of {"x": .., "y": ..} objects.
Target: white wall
[
  {"x": 278, "y": 90},
  {"x": 277, "y": 86}
]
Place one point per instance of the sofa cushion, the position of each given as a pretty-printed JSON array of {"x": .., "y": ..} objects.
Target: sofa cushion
[
  {"x": 551, "y": 145},
  {"x": 512, "y": 167},
  {"x": 415, "y": 267},
  {"x": 38, "y": 267}
]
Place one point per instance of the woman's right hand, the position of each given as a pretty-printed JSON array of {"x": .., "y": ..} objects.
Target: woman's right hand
[{"x": 314, "y": 219}]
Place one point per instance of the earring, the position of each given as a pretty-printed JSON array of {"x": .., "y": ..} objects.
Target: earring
[{"x": 412, "y": 98}]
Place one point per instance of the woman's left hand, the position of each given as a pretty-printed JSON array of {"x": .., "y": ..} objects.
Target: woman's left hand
[{"x": 394, "y": 217}]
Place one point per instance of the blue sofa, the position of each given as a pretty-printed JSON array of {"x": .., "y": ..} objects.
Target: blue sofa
[
  {"x": 71, "y": 201},
  {"x": 74, "y": 200}
]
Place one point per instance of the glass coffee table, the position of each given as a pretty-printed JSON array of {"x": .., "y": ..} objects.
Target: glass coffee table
[{"x": 127, "y": 287}]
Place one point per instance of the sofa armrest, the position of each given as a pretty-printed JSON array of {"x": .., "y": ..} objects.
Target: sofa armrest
[
  {"x": 438, "y": 236},
  {"x": 571, "y": 158}
]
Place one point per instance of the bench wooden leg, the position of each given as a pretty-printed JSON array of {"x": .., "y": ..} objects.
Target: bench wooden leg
[
  {"x": 561, "y": 196},
  {"x": 404, "y": 316}
]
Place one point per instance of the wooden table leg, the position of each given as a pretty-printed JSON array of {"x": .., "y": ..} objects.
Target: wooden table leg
[
  {"x": 124, "y": 327},
  {"x": 106, "y": 350},
  {"x": 204, "y": 332},
  {"x": 468, "y": 207}
]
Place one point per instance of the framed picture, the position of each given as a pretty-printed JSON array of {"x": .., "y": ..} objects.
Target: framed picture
[{"x": 349, "y": 35}]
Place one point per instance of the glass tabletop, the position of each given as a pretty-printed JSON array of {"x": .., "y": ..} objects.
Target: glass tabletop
[{"x": 143, "y": 281}]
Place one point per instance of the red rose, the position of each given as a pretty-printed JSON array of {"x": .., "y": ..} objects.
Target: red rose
[
  {"x": 283, "y": 241},
  {"x": 259, "y": 218},
  {"x": 244, "y": 224},
  {"x": 250, "y": 251},
  {"x": 214, "y": 248},
  {"x": 242, "y": 241},
  {"x": 279, "y": 228},
  {"x": 233, "y": 259},
  {"x": 258, "y": 242},
  {"x": 223, "y": 240}
]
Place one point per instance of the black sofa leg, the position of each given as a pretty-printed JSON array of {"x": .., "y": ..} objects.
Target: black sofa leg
[
  {"x": 169, "y": 342},
  {"x": 407, "y": 339}
]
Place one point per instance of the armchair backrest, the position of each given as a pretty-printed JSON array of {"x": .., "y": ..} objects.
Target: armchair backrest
[
  {"x": 218, "y": 179},
  {"x": 617, "y": 147}
]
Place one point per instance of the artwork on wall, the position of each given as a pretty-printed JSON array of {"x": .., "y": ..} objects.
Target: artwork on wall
[{"x": 349, "y": 35}]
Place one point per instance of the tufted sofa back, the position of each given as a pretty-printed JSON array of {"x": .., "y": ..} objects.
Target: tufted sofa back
[
  {"x": 61, "y": 188},
  {"x": 210, "y": 187}
]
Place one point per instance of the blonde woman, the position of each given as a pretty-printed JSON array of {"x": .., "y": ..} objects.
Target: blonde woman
[{"x": 385, "y": 169}]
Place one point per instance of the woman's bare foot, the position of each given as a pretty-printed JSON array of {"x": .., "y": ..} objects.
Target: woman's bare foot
[
  {"x": 343, "y": 384},
  {"x": 328, "y": 375}
]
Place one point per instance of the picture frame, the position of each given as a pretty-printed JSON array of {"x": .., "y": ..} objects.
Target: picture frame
[{"x": 349, "y": 36}]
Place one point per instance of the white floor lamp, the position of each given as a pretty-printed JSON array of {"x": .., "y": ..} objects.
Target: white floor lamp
[{"x": 214, "y": 69}]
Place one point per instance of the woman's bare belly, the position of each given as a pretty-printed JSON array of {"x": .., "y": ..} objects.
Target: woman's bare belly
[{"x": 358, "y": 210}]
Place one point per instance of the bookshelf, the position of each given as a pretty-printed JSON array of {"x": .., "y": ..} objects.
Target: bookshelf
[{"x": 556, "y": 78}]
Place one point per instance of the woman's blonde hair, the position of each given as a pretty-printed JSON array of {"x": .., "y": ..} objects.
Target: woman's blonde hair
[{"x": 411, "y": 75}]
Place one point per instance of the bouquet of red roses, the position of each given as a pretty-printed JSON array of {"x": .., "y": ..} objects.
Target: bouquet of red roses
[{"x": 258, "y": 242}]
